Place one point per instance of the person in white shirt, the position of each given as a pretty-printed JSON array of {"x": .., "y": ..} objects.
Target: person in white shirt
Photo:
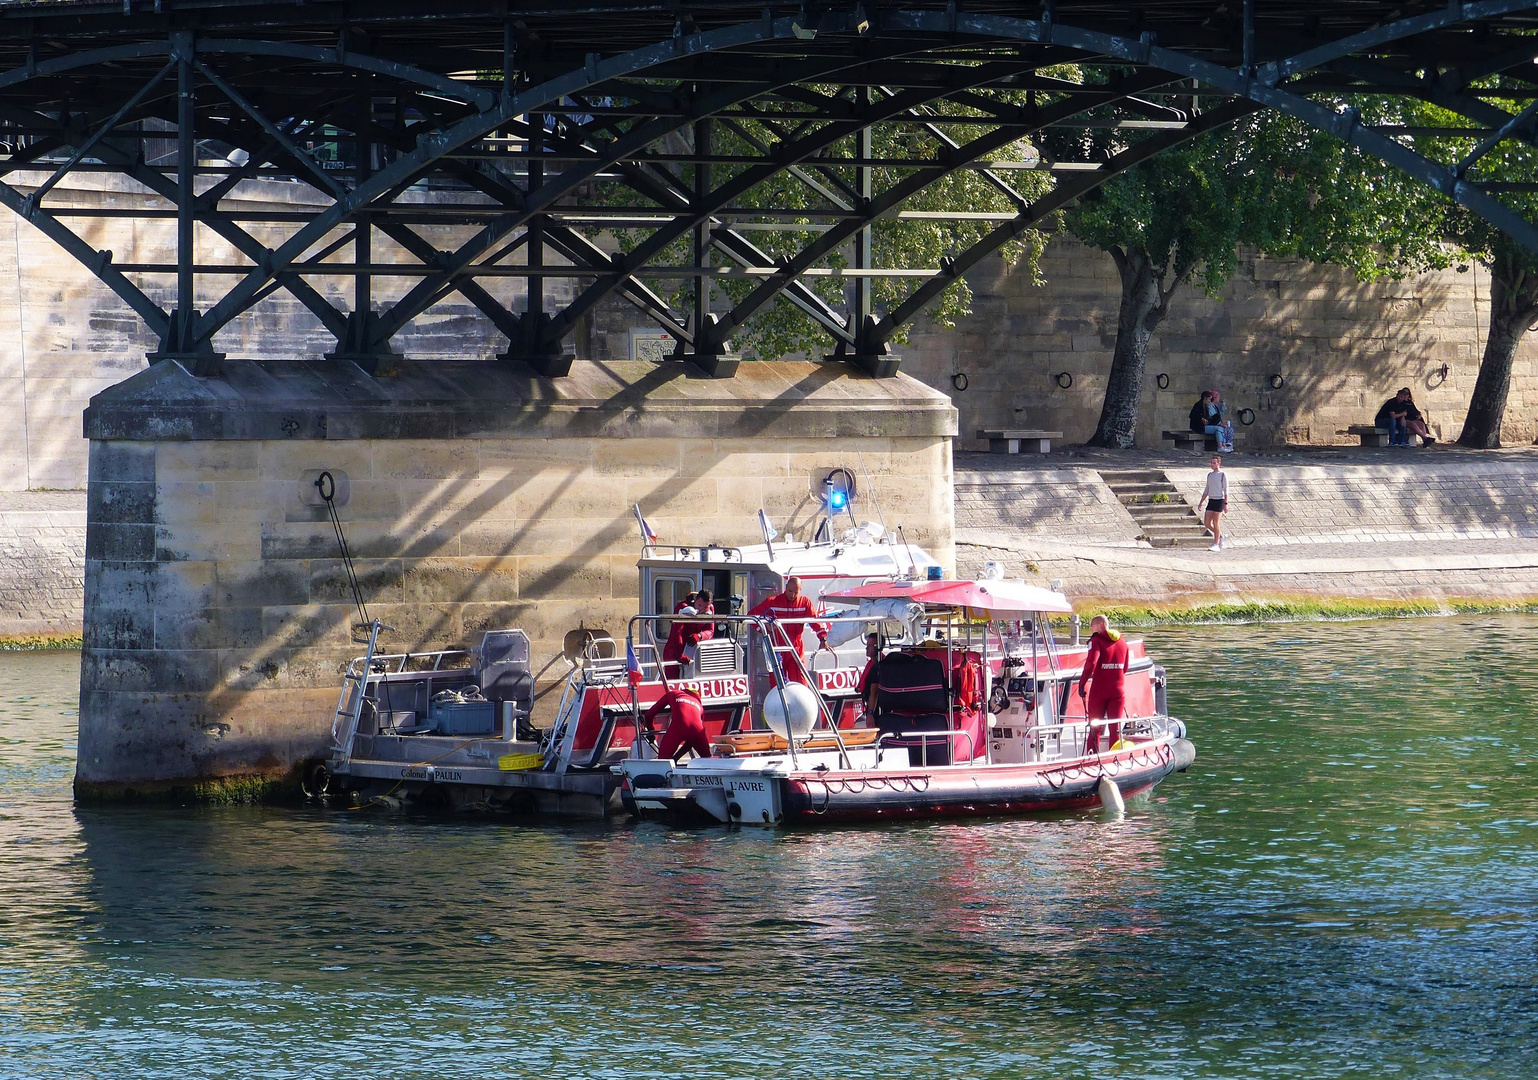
[{"x": 1216, "y": 499}]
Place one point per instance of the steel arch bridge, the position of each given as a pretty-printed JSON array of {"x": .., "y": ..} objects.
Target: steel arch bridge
[{"x": 523, "y": 107}]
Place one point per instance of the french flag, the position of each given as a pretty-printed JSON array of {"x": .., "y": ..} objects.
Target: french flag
[{"x": 632, "y": 665}]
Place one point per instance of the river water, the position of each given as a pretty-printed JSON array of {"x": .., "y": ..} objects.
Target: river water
[{"x": 1344, "y": 884}]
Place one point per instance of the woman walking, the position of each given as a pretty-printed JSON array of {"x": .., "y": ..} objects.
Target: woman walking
[{"x": 1216, "y": 498}]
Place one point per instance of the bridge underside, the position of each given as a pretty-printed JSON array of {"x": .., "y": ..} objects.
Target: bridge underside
[{"x": 703, "y": 163}]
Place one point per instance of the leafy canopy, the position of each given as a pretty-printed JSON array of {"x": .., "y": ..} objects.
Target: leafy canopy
[
  {"x": 1268, "y": 182},
  {"x": 779, "y": 328}
]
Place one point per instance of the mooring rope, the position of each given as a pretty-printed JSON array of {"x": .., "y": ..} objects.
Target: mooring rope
[{"x": 325, "y": 484}]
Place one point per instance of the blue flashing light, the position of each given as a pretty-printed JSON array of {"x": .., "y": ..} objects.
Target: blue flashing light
[{"x": 838, "y": 499}]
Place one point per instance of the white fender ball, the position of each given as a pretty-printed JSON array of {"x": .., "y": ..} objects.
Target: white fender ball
[{"x": 799, "y": 701}]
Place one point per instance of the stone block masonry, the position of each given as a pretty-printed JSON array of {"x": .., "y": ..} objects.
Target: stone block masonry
[
  {"x": 42, "y": 562},
  {"x": 217, "y": 613},
  {"x": 1361, "y": 527},
  {"x": 1341, "y": 348}
]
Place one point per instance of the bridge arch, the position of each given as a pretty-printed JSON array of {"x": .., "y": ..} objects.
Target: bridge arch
[{"x": 225, "y": 92}]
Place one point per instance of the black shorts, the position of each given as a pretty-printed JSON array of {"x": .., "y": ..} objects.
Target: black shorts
[{"x": 1216, "y": 506}]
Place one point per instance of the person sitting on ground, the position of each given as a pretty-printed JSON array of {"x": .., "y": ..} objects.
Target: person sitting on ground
[{"x": 686, "y": 723}]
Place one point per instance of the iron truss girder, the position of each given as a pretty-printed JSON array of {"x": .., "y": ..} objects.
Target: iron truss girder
[{"x": 271, "y": 80}]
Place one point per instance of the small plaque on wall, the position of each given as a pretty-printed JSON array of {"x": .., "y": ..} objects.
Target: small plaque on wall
[{"x": 651, "y": 344}]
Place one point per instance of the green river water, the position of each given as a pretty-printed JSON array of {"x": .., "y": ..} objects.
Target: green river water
[{"x": 1344, "y": 884}]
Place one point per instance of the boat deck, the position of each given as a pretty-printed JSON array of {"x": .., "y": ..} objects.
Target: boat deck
[{"x": 470, "y": 771}]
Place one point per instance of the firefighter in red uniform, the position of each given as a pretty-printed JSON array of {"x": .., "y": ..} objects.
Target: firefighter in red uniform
[
  {"x": 686, "y": 728},
  {"x": 868, "y": 676},
  {"x": 1105, "y": 670},
  {"x": 791, "y": 604}
]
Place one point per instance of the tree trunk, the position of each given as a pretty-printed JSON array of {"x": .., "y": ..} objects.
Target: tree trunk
[
  {"x": 1511, "y": 312},
  {"x": 1142, "y": 309}
]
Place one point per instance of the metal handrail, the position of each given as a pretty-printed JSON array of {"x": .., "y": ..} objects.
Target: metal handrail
[
  {"x": 925, "y": 736},
  {"x": 766, "y": 626},
  {"x": 680, "y": 552}
]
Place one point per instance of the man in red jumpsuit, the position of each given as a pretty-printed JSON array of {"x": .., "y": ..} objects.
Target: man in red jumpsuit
[
  {"x": 1105, "y": 670},
  {"x": 791, "y": 604},
  {"x": 686, "y": 727}
]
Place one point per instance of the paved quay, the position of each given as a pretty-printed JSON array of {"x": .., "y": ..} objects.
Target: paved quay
[{"x": 1439, "y": 524}]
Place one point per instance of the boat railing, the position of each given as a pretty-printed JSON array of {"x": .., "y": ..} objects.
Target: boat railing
[
  {"x": 774, "y": 640},
  {"x": 1076, "y": 731},
  {"x": 925, "y": 736},
  {"x": 707, "y": 553},
  {"x": 386, "y": 665}
]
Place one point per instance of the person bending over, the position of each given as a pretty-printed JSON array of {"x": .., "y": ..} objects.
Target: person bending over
[
  {"x": 686, "y": 723},
  {"x": 1105, "y": 672}
]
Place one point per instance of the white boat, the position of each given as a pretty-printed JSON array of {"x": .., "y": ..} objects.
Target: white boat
[
  {"x": 974, "y": 712},
  {"x": 457, "y": 725}
]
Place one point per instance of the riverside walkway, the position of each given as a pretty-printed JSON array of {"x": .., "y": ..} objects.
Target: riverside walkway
[
  {"x": 1327, "y": 525},
  {"x": 1385, "y": 527}
]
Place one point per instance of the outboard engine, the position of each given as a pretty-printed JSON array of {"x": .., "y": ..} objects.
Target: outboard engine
[{"x": 1161, "y": 691}]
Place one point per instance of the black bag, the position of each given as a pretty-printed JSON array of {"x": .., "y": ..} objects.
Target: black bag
[{"x": 909, "y": 683}]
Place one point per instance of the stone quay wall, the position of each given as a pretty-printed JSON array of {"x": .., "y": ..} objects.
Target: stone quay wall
[
  {"x": 1425, "y": 500},
  {"x": 218, "y": 615},
  {"x": 1435, "y": 528},
  {"x": 42, "y": 564},
  {"x": 1340, "y": 347}
]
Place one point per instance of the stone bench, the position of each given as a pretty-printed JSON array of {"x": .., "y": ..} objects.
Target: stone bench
[
  {"x": 1191, "y": 440},
  {"x": 1370, "y": 436},
  {"x": 1010, "y": 442},
  {"x": 1185, "y": 440}
]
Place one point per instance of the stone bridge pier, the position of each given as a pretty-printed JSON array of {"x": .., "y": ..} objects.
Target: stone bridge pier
[{"x": 217, "y": 611}]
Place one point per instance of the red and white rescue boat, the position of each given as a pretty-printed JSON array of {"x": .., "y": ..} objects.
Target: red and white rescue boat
[{"x": 969, "y": 708}]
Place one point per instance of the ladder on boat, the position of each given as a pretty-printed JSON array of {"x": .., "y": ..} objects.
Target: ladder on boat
[{"x": 349, "y": 705}]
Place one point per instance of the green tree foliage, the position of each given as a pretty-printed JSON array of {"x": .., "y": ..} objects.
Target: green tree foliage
[
  {"x": 1513, "y": 269},
  {"x": 780, "y": 328},
  {"x": 1269, "y": 183}
]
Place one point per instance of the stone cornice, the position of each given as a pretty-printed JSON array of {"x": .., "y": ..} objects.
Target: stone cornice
[{"x": 335, "y": 400}]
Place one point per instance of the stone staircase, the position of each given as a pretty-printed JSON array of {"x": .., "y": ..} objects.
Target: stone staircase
[{"x": 1165, "y": 517}]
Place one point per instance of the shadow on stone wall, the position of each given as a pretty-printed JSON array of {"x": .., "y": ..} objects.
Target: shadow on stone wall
[
  {"x": 1340, "y": 346},
  {"x": 219, "y": 617}
]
